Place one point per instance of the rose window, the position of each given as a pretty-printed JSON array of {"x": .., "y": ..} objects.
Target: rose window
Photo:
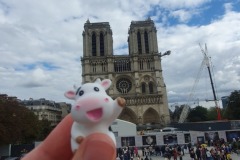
[{"x": 124, "y": 85}]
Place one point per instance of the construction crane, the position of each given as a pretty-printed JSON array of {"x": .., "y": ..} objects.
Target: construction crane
[
  {"x": 207, "y": 62},
  {"x": 186, "y": 108}
]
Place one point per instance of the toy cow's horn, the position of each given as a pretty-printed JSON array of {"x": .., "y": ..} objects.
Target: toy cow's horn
[
  {"x": 98, "y": 80},
  {"x": 74, "y": 86}
]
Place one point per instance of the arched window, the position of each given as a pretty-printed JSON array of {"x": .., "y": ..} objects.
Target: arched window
[
  {"x": 139, "y": 42},
  {"x": 146, "y": 42},
  {"x": 148, "y": 64},
  {"x": 103, "y": 67},
  {"x": 94, "y": 67},
  {"x": 94, "y": 47},
  {"x": 143, "y": 88},
  {"x": 101, "y": 44},
  {"x": 150, "y": 87},
  {"x": 141, "y": 62}
]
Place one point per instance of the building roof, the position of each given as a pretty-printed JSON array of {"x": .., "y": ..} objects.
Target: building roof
[{"x": 39, "y": 102}]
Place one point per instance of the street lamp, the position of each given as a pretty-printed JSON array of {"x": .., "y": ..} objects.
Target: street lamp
[{"x": 167, "y": 53}]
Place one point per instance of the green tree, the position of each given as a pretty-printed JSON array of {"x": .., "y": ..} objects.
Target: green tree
[
  {"x": 44, "y": 129},
  {"x": 197, "y": 114},
  {"x": 212, "y": 113},
  {"x": 232, "y": 111},
  {"x": 17, "y": 123}
]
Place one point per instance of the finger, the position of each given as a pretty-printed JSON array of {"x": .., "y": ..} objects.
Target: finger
[
  {"x": 56, "y": 145},
  {"x": 96, "y": 146}
]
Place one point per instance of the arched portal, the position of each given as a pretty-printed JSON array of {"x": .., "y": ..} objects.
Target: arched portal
[
  {"x": 128, "y": 115},
  {"x": 151, "y": 116}
]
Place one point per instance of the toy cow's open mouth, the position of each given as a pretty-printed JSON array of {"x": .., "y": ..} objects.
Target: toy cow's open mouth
[{"x": 95, "y": 114}]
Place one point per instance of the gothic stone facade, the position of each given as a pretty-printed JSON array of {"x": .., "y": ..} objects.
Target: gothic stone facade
[{"x": 137, "y": 77}]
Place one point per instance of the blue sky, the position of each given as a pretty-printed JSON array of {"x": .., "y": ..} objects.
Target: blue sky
[
  {"x": 201, "y": 15},
  {"x": 41, "y": 43}
]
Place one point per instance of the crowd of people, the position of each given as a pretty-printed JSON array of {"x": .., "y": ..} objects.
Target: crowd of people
[
  {"x": 218, "y": 150},
  {"x": 145, "y": 153}
]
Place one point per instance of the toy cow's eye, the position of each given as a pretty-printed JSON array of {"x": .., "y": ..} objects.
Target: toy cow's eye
[
  {"x": 81, "y": 93},
  {"x": 96, "y": 89}
]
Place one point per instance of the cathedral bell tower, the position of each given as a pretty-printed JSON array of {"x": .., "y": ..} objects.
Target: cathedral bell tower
[
  {"x": 137, "y": 77},
  {"x": 97, "y": 46}
]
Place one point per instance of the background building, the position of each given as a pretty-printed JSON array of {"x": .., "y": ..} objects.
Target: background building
[
  {"x": 47, "y": 109},
  {"x": 122, "y": 128},
  {"x": 225, "y": 101},
  {"x": 137, "y": 76}
]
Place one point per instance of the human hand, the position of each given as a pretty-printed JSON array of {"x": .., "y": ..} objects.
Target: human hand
[{"x": 57, "y": 146}]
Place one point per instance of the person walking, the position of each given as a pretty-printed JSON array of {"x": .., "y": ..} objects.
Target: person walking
[
  {"x": 198, "y": 153},
  {"x": 135, "y": 151},
  {"x": 146, "y": 158},
  {"x": 209, "y": 155},
  {"x": 192, "y": 154},
  {"x": 175, "y": 153}
]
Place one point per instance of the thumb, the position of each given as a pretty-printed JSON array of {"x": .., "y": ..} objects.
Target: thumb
[{"x": 96, "y": 146}]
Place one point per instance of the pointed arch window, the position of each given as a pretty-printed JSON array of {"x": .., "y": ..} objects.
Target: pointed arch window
[
  {"x": 94, "y": 45},
  {"x": 146, "y": 42},
  {"x": 150, "y": 87},
  {"x": 139, "y": 42},
  {"x": 148, "y": 64},
  {"x": 94, "y": 67},
  {"x": 141, "y": 62},
  {"x": 101, "y": 44},
  {"x": 103, "y": 67},
  {"x": 143, "y": 88}
]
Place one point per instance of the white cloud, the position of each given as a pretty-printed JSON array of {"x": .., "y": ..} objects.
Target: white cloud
[
  {"x": 175, "y": 4},
  {"x": 228, "y": 7},
  {"x": 182, "y": 15},
  {"x": 38, "y": 77},
  {"x": 171, "y": 93}
]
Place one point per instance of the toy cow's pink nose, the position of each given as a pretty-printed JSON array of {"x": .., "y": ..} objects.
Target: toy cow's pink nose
[
  {"x": 88, "y": 102},
  {"x": 77, "y": 108},
  {"x": 106, "y": 100}
]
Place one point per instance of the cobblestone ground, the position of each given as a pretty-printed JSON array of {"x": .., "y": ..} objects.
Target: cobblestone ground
[{"x": 187, "y": 157}]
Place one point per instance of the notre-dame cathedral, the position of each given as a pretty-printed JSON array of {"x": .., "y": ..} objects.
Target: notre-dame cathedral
[{"x": 137, "y": 77}]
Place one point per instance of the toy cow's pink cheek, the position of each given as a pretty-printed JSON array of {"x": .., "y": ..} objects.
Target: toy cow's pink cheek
[
  {"x": 106, "y": 100},
  {"x": 77, "y": 108}
]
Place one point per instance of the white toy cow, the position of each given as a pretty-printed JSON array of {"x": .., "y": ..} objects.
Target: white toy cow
[{"x": 93, "y": 111}]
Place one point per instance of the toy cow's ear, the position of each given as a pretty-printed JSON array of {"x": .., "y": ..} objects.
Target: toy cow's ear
[
  {"x": 70, "y": 94},
  {"x": 106, "y": 83}
]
